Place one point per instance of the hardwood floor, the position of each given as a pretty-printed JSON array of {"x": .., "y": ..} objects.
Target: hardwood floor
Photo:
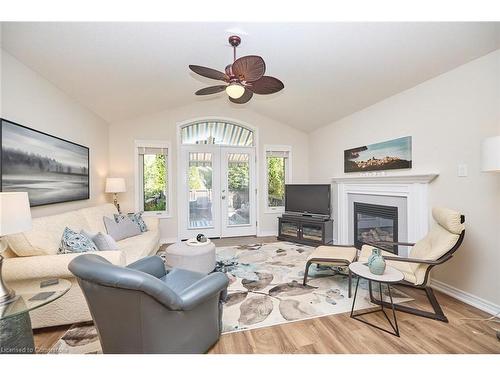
[{"x": 341, "y": 334}]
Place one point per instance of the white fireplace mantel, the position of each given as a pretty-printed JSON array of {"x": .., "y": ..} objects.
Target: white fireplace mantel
[
  {"x": 383, "y": 179},
  {"x": 412, "y": 187}
]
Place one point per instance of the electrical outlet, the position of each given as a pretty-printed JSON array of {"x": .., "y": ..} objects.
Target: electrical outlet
[{"x": 462, "y": 170}]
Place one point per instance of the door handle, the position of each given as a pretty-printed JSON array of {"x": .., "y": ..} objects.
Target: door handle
[{"x": 223, "y": 197}]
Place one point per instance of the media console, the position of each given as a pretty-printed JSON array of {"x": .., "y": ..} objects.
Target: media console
[{"x": 307, "y": 230}]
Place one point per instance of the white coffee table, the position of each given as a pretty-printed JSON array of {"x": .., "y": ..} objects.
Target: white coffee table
[
  {"x": 193, "y": 258},
  {"x": 389, "y": 277}
]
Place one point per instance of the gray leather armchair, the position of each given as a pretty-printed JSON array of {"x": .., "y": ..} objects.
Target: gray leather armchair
[{"x": 142, "y": 308}]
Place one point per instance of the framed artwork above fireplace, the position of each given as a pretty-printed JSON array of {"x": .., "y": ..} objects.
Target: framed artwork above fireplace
[{"x": 393, "y": 154}]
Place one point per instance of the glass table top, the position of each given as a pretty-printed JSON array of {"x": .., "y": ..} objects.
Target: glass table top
[{"x": 26, "y": 290}]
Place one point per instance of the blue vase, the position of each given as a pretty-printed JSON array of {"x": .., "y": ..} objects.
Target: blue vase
[{"x": 376, "y": 262}]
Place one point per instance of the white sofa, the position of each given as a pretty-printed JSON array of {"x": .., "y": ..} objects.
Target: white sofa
[{"x": 33, "y": 255}]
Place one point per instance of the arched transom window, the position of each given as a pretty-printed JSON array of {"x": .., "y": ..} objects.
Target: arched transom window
[{"x": 216, "y": 132}]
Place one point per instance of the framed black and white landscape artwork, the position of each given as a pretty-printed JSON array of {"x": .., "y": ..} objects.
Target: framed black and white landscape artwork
[
  {"x": 50, "y": 169},
  {"x": 393, "y": 154}
]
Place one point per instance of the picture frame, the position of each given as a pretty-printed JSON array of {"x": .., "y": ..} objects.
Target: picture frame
[
  {"x": 393, "y": 154},
  {"x": 49, "y": 168}
]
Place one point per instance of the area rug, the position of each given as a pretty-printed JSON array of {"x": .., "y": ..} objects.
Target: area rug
[{"x": 265, "y": 289}]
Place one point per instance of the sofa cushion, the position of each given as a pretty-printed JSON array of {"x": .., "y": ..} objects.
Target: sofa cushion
[
  {"x": 94, "y": 215},
  {"x": 140, "y": 246},
  {"x": 74, "y": 242},
  {"x": 124, "y": 229},
  {"x": 44, "y": 237}
]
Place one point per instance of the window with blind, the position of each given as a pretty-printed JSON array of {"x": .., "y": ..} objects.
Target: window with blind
[
  {"x": 278, "y": 174},
  {"x": 153, "y": 178}
]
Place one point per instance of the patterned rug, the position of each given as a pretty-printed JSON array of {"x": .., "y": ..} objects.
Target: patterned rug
[{"x": 265, "y": 289}]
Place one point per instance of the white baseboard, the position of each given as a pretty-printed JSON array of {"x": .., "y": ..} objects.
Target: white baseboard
[
  {"x": 266, "y": 233},
  {"x": 468, "y": 298},
  {"x": 168, "y": 240}
]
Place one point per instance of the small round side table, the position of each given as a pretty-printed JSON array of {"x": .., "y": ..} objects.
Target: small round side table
[
  {"x": 389, "y": 277},
  {"x": 16, "y": 335}
]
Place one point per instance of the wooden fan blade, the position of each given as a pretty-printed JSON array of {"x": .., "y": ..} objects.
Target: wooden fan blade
[
  {"x": 266, "y": 85},
  {"x": 244, "y": 98},
  {"x": 209, "y": 73},
  {"x": 210, "y": 90},
  {"x": 249, "y": 68}
]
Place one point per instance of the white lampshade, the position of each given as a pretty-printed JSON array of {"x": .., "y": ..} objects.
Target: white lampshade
[
  {"x": 490, "y": 154},
  {"x": 15, "y": 213},
  {"x": 115, "y": 185}
]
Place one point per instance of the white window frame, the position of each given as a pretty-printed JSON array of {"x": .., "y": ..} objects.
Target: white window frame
[
  {"x": 288, "y": 174},
  {"x": 139, "y": 196}
]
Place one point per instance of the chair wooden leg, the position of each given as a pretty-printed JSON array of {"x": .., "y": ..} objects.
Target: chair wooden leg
[
  {"x": 437, "y": 314},
  {"x": 306, "y": 272}
]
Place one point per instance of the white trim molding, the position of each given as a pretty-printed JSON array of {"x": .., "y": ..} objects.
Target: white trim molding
[
  {"x": 468, "y": 298},
  {"x": 412, "y": 187},
  {"x": 288, "y": 174},
  {"x": 138, "y": 179}
]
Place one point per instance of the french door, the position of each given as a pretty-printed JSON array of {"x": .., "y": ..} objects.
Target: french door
[{"x": 217, "y": 194}]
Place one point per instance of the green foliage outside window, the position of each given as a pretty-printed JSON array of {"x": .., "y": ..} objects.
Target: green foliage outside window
[
  {"x": 200, "y": 177},
  {"x": 238, "y": 176},
  {"x": 275, "y": 181},
  {"x": 155, "y": 182}
]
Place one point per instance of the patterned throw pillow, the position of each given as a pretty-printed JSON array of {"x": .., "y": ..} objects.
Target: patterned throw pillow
[
  {"x": 73, "y": 242},
  {"x": 135, "y": 217}
]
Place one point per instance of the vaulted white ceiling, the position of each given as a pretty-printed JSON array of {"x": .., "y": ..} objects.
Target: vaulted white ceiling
[{"x": 330, "y": 70}]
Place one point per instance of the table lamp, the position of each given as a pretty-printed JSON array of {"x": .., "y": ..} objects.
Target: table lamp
[
  {"x": 490, "y": 154},
  {"x": 115, "y": 186},
  {"x": 15, "y": 217}
]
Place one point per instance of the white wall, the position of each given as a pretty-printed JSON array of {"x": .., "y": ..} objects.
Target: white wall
[
  {"x": 447, "y": 117},
  {"x": 30, "y": 100},
  {"x": 162, "y": 126}
]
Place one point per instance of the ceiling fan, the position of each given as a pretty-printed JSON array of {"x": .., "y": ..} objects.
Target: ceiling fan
[{"x": 243, "y": 78}]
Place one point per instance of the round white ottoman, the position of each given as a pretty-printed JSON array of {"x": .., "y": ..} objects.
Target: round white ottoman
[{"x": 193, "y": 258}]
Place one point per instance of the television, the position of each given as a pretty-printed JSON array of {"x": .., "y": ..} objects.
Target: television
[{"x": 308, "y": 199}]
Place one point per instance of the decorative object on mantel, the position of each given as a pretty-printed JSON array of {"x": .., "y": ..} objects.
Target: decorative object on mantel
[
  {"x": 490, "y": 154},
  {"x": 376, "y": 262},
  {"x": 115, "y": 185},
  {"x": 393, "y": 154},
  {"x": 15, "y": 217},
  {"x": 50, "y": 169}
]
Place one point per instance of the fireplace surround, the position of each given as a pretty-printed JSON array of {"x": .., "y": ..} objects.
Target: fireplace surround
[{"x": 413, "y": 188}]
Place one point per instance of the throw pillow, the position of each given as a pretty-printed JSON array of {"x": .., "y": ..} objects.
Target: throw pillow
[
  {"x": 124, "y": 229},
  {"x": 102, "y": 241},
  {"x": 135, "y": 217},
  {"x": 74, "y": 242}
]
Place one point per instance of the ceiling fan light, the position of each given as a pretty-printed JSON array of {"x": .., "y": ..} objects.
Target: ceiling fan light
[{"x": 235, "y": 90}]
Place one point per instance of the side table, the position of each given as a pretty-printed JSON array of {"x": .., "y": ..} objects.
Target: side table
[
  {"x": 390, "y": 276},
  {"x": 16, "y": 335}
]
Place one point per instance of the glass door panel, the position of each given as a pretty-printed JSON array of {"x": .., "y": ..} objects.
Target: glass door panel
[
  {"x": 289, "y": 229},
  {"x": 312, "y": 232},
  {"x": 238, "y": 193},
  {"x": 200, "y": 177}
]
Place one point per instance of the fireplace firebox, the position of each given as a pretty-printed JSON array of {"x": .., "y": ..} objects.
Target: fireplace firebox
[{"x": 374, "y": 223}]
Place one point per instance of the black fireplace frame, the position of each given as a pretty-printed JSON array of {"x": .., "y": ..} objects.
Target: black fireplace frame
[{"x": 388, "y": 212}]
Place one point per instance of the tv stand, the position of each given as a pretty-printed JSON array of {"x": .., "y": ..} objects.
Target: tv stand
[{"x": 307, "y": 230}]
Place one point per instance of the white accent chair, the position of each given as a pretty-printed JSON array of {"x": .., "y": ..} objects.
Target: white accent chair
[{"x": 437, "y": 247}]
